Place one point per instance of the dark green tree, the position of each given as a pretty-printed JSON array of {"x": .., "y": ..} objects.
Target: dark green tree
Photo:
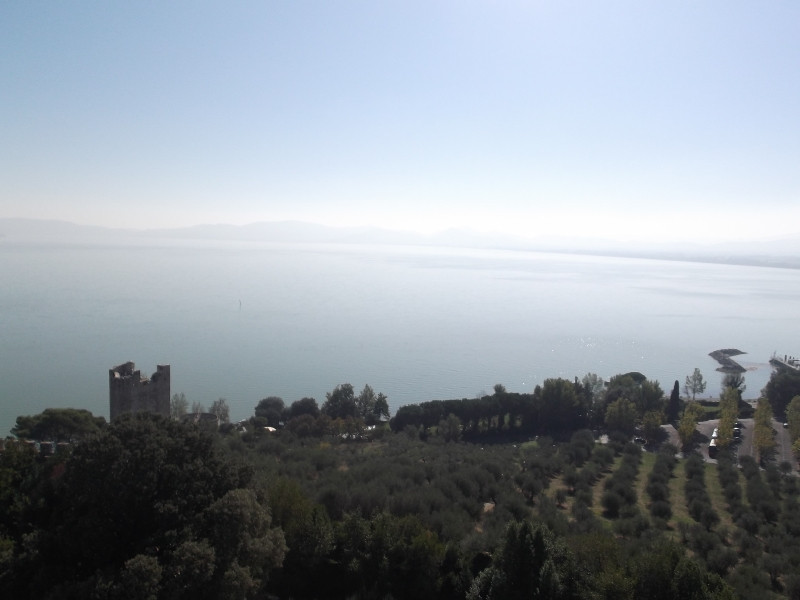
[
  {"x": 380, "y": 411},
  {"x": 148, "y": 489},
  {"x": 246, "y": 547},
  {"x": 653, "y": 566},
  {"x": 407, "y": 557},
  {"x": 783, "y": 385},
  {"x": 365, "y": 403},
  {"x": 59, "y": 424},
  {"x": 621, "y": 386},
  {"x": 621, "y": 416},
  {"x": 650, "y": 397},
  {"x": 688, "y": 581},
  {"x": 450, "y": 428},
  {"x": 530, "y": 565},
  {"x": 674, "y": 404},
  {"x": 793, "y": 417},
  {"x": 19, "y": 472},
  {"x": 408, "y": 415},
  {"x": 371, "y": 407},
  {"x": 140, "y": 578},
  {"x": 341, "y": 402},
  {"x": 271, "y": 408},
  {"x": 304, "y": 406},
  {"x": 561, "y": 407},
  {"x": 309, "y": 535}
]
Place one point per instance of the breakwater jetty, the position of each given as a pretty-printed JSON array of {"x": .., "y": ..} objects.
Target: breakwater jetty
[{"x": 726, "y": 363}]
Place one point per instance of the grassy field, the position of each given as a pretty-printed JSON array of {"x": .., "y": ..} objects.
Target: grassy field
[
  {"x": 680, "y": 512},
  {"x": 648, "y": 460},
  {"x": 714, "y": 489}
]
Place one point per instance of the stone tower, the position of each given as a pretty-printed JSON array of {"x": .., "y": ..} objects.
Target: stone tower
[{"x": 130, "y": 392}]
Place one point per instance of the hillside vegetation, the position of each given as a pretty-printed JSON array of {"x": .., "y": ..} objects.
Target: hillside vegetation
[{"x": 476, "y": 504}]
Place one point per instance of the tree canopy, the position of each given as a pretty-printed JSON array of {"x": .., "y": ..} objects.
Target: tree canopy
[
  {"x": 304, "y": 406},
  {"x": 783, "y": 385},
  {"x": 271, "y": 409},
  {"x": 58, "y": 425},
  {"x": 531, "y": 565},
  {"x": 341, "y": 402},
  {"x": 150, "y": 501}
]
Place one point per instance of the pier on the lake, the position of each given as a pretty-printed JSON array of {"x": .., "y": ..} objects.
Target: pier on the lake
[{"x": 785, "y": 362}]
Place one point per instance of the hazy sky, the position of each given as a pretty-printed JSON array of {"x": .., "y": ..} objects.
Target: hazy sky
[{"x": 628, "y": 119}]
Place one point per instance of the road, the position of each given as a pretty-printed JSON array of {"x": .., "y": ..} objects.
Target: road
[
  {"x": 784, "y": 445},
  {"x": 783, "y": 449}
]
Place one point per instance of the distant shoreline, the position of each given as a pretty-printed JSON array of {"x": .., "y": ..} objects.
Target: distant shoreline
[{"x": 774, "y": 254}]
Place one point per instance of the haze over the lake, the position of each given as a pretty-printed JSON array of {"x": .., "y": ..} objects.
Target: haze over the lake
[{"x": 634, "y": 121}]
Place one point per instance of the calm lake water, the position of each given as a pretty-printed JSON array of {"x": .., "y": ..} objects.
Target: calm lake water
[{"x": 245, "y": 321}]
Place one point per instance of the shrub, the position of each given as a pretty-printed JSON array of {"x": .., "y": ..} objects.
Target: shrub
[
  {"x": 657, "y": 491},
  {"x": 584, "y": 496},
  {"x": 661, "y": 509},
  {"x": 611, "y": 502}
]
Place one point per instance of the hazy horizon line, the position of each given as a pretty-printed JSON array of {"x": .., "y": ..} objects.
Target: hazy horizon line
[{"x": 422, "y": 234}]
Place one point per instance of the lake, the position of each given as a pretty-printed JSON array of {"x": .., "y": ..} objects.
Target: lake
[{"x": 243, "y": 321}]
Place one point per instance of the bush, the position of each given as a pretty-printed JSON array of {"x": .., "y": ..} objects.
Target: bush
[
  {"x": 661, "y": 509},
  {"x": 657, "y": 491},
  {"x": 720, "y": 560},
  {"x": 611, "y": 502},
  {"x": 602, "y": 456},
  {"x": 632, "y": 526},
  {"x": 584, "y": 497}
]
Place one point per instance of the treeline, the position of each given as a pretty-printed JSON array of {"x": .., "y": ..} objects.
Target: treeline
[{"x": 558, "y": 406}]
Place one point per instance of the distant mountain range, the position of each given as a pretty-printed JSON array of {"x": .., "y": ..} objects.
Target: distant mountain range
[{"x": 780, "y": 252}]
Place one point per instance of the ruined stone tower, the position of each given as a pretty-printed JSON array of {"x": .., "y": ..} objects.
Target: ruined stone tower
[{"x": 130, "y": 392}]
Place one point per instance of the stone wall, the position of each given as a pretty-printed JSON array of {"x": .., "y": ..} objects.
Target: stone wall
[{"x": 130, "y": 392}]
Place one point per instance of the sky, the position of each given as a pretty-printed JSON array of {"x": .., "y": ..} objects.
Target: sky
[{"x": 631, "y": 120}]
